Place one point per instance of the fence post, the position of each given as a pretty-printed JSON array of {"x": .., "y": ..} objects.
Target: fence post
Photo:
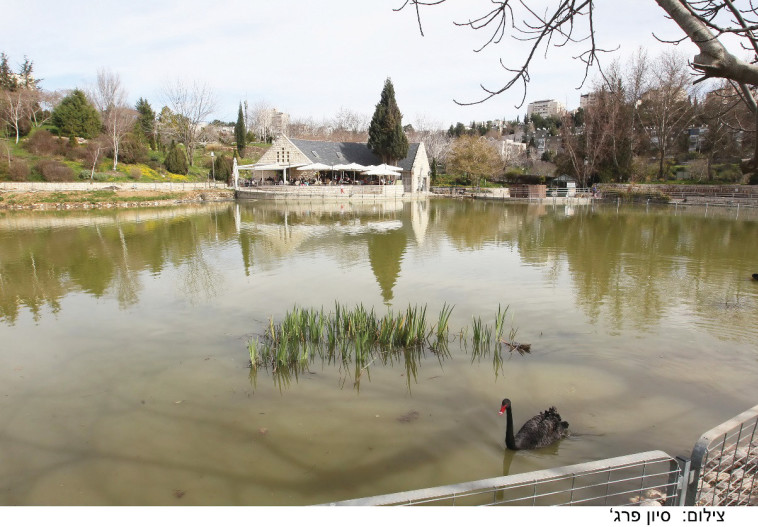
[{"x": 683, "y": 482}]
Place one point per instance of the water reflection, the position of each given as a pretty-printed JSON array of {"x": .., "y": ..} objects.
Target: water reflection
[
  {"x": 629, "y": 268},
  {"x": 46, "y": 256},
  {"x": 124, "y": 338}
]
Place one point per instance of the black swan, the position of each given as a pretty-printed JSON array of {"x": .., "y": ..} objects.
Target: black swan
[{"x": 541, "y": 430}]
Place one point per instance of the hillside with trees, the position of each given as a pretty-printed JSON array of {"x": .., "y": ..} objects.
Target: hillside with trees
[{"x": 94, "y": 134}]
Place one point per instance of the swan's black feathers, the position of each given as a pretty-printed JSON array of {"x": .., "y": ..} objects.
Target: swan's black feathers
[{"x": 541, "y": 430}]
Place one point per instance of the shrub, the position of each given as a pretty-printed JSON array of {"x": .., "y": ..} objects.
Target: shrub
[
  {"x": 73, "y": 152},
  {"x": 135, "y": 173},
  {"x": 18, "y": 170},
  {"x": 52, "y": 170},
  {"x": 176, "y": 160},
  {"x": 131, "y": 151},
  {"x": 43, "y": 143},
  {"x": 224, "y": 168}
]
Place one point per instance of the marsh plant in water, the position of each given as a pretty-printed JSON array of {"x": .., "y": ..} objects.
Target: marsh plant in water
[{"x": 355, "y": 338}]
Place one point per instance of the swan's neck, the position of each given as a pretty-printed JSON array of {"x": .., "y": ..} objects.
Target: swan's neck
[{"x": 510, "y": 442}]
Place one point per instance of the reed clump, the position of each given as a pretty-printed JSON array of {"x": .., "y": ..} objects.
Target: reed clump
[{"x": 361, "y": 336}]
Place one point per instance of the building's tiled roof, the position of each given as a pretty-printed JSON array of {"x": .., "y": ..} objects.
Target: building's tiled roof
[
  {"x": 333, "y": 153},
  {"x": 407, "y": 163}
]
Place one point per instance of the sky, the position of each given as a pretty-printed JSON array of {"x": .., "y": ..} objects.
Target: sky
[{"x": 312, "y": 58}]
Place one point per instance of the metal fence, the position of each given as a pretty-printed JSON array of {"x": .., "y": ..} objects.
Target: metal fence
[
  {"x": 724, "y": 464},
  {"x": 627, "y": 480},
  {"x": 721, "y": 471}
]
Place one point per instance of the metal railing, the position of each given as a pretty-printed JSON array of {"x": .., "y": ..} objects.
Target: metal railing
[
  {"x": 724, "y": 464},
  {"x": 721, "y": 471},
  {"x": 627, "y": 480}
]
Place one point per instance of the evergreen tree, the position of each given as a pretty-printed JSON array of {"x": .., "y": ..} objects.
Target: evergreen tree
[
  {"x": 239, "y": 131},
  {"x": 176, "y": 160},
  {"x": 26, "y": 74},
  {"x": 7, "y": 79},
  {"x": 386, "y": 137},
  {"x": 76, "y": 116},
  {"x": 145, "y": 125},
  {"x": 224, "y": 168}
]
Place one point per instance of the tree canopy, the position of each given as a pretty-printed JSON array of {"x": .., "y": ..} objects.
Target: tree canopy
[
  {"x": 475, "y": 158},
  {"x": 386, "y": 137},
  {"x": 705, "y": 23},
  {"x": 75, "y": 116}
]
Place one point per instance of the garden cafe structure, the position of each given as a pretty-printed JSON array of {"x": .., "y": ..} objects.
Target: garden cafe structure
[{"x": 293, "y": 161}]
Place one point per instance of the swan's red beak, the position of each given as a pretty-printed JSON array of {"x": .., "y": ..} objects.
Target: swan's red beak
[{"x": 502, "y": 409}]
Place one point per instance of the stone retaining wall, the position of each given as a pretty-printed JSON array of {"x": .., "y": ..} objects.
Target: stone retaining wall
[
  {"x": 11, "y": 186},
  {"x": 325, "y": 193}
]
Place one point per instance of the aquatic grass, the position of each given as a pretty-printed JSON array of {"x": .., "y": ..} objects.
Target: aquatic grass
[
  {"x": 360, "y": 336},
  {"x": 500, "y": 322},
  {"x": 442, "y": 328},
  {"x": 252, "y": 347}
]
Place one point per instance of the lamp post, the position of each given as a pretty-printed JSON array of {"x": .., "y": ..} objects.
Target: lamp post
[{"x": 213, "y": 167}]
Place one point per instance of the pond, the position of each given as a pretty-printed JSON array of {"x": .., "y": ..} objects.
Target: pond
[{"x": 126, "y": 378}]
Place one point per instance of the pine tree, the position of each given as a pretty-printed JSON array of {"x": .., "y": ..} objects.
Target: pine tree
[
  {"x": 386, "y": 137},
  {"x": 145, "y": 125},
  {"x": 27, "y": 74},
  {"x": 239, "y": 132},
  {"x": 76, "y": 116},
  {"x": 7, "y": 79}
]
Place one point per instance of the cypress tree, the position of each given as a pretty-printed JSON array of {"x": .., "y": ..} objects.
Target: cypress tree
[
  {"x": 386, "y": 137},
  {"x": 176, "y": 160},
  {"x": 239, "y": 132}
]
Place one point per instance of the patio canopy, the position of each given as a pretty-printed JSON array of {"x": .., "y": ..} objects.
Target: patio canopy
[
  {"x": 315, "y": 166},
  {"x": 272, "y": 166},
  {"x": 380, "y": 172},
  {"x": 352, "y": 167},
  {"x": 384, "y": 166}
]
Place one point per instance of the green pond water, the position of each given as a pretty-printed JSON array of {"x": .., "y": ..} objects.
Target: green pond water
[{"x": 123, "y": 344}]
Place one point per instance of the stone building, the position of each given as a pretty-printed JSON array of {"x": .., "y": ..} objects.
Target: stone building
[{"x": 285, "y": 155}]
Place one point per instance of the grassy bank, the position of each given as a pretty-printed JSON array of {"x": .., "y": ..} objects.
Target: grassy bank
[{"x": 41, "y": 156}]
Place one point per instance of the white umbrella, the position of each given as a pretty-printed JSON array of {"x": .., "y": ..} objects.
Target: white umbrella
[
  {"x": 272, "y": 166},
  {"x": 385, "y": 166},
  {"x": 315, "y": 166},
  {"x": 380, "y": 172},
  {"x": 352, "y": 167}
]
